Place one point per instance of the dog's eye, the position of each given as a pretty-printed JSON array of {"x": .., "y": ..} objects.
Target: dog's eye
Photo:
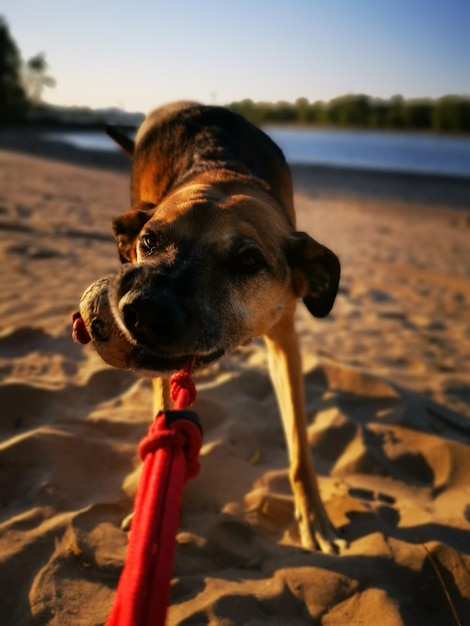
[
  {"x": 148, "y": 242},
  {"x": 249, "y": 261}
]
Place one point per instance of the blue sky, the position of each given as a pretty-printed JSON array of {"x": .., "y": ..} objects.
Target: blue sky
[{"x": 138, "y": 54}]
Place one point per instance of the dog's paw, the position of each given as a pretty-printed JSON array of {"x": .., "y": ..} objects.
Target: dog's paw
[
  {"x": 127, "y": 523},
  {"x": 330, "y": 542},
  {"x": 318, "y": 534}
]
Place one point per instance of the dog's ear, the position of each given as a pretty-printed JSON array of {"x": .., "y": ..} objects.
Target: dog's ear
[
  {"x": 121, "y": 139},
  {"x": 315, "y": 273},
  {"x": 127, "y": 227}
]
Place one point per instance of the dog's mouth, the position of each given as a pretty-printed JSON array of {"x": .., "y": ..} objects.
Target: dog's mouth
[{"x": 145, "y": 359}]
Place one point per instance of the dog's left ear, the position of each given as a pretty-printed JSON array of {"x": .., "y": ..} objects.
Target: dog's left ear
[
  {"x": 126, "y": 229},
  {"x": 315, "y": 273}
]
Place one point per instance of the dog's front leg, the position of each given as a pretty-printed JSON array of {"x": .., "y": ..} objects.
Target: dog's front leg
[
  {"x": 161, "y": 395},
  {"x": 316, "y": 530}
]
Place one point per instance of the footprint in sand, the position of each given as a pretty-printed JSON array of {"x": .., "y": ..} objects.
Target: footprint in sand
[
  {"x": 31, "y": 355},
  {"x": 369, "y": 496},
  {"x": 234, "y": 542},
  {"x": 21, "y": 341},
  {"x": 378, "y": 504},
  {"x": 26, "y": 407},
  {"x": 35, "y": 252}
]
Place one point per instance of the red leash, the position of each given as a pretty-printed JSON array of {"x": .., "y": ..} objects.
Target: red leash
[{"x": 170, "y": 458}]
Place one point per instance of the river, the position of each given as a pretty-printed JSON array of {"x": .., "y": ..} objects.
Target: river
[{"x": 419, "y": 153}]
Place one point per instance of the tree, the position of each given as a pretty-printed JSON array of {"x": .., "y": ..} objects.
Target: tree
[
  {"x": 248, "y": 109},
  {"x": 303, "y": 110},
  {"x": 13, "y": 101},
  {"x": 451, "y": 113},
  {"x": 418, "y": 113},
  {"x": 35, "y": 77},
  {"x": 395, "y": 115}
]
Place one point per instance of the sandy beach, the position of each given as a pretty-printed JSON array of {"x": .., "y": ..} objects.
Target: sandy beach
[{"x": 388, "y": 398}]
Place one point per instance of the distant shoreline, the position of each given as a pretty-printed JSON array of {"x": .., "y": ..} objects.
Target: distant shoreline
[
  {"x": 313, "y": 180},
  {"x": 423, "y": 189},
  {"x": 31, "y": 141}
]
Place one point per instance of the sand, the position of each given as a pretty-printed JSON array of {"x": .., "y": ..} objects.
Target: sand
[{"x": 388, "y": 398}]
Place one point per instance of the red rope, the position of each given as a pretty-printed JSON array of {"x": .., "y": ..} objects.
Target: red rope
[
  {"x": 182, "y": 389},
  {"x": 170, "y": 458}
]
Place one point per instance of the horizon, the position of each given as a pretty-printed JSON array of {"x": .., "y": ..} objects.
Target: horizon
[
  {"x": 135, "y": 57},
  {"x": 262, "y": 103}
]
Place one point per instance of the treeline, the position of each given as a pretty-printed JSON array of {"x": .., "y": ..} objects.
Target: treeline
[
  {"x": 447, "y": 114},
  {"x": 22, "y": 85},
  {"x": 21, "y": 82}
]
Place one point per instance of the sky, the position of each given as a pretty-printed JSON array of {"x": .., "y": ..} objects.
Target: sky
[{"x": 137, "y": 54}]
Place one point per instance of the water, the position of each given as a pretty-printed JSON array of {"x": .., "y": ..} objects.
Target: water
[
  {"x": 85, "y": 139},
  {"x": 382, "y": 151}
]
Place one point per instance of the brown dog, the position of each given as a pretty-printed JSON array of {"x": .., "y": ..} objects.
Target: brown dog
[{"x": 212, "y": 259}]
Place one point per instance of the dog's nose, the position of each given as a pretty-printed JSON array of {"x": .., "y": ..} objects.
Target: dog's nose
[{"x": 153, "y": 320}]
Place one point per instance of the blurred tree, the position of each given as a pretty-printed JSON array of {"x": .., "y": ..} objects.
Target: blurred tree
[
  {"x": 451, "y": 113},
  {"x": 36, "y": 79},
  {"x": 358, "y": 111},
  {"x": 332, "y": 111},
  {"x": 319, "y": 112},
  {"x": 395, "y": 115},
  {"x": 283, "y": 111},
  {"x": 248, "y": 109},
  {"x": 303, "y": 110},
  {"x": 378, "y": 113},
  {"x": 417, "y": 113},
  {"x": 13, "y": 101}
]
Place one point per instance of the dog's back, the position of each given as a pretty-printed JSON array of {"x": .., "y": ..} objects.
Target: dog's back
[{"x": 178, "y": 142}]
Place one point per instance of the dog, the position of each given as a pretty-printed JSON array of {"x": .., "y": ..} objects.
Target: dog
[{"x": 212, "y": 259}]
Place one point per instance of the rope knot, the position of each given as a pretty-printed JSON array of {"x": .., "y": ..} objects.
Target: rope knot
[
  {"x": 175, "y": 429},
  {"x": 182, "y": 383}
]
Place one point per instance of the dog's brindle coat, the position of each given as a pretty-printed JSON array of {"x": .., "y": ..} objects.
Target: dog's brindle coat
[{"x": 212, "y": 260}]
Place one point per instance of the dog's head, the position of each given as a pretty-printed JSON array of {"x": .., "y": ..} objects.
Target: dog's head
[{"x": 209, "y": 269}]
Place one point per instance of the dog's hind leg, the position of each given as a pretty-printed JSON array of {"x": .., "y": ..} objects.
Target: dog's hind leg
[{"x": 316, "y": 530}]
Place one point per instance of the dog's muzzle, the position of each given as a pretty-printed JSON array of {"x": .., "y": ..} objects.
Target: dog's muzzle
[
  {"x": 156, "y": 308},
  {"x": 154, "y": 320}
]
